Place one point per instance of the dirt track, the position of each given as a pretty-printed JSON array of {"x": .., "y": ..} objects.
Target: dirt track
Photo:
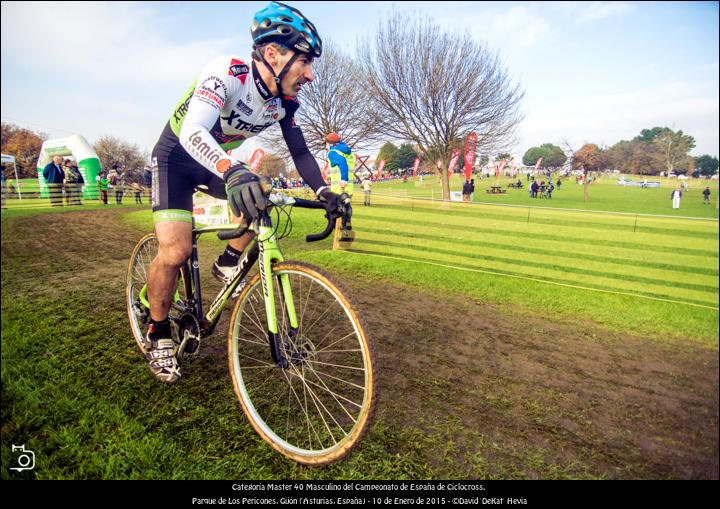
[{"x": 506, "y": 389}]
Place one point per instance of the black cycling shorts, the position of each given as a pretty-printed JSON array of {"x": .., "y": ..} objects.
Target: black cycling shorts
[{"x": 175, "y": 177}]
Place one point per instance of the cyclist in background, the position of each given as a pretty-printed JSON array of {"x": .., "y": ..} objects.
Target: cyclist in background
[{"x": 232, "y": 99}]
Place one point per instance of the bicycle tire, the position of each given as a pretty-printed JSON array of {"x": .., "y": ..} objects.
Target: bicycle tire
[
  {"x": 142, "y": 255},
  {"x": 351, "y": 389}
]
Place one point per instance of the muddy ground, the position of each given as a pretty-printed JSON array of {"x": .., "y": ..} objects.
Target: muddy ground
[{"x": 512, "y": 395}]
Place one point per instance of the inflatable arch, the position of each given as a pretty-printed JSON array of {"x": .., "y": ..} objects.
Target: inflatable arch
[{"x": 87, "y": 160}]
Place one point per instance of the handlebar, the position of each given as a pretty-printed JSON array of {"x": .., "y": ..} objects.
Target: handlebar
[{"x": 281, "y": 199}]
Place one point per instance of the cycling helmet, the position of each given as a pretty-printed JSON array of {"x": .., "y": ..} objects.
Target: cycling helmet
[
  {"x": 287, "y": 26},
  {"x": 332, "y": 138}
]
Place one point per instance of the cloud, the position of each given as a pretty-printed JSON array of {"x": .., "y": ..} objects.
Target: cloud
[
  {"x": 103, "y": 42},
  {"x": 608, "y": 118},
  {"x": 597, "y": 11}
]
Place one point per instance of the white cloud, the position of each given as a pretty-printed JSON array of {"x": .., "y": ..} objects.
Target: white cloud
[
  {"x": 601, "y": 10},
  {"x": 103, "y": 42},
  {"x": 608, "y": 118}
]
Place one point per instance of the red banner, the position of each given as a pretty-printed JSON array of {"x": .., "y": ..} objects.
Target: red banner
[
  {"x": 470, "y": 146},
  {"x": 537, "y": 164},
  {"x": 415, "y": 166},
  {"x": 256, "y": 159},
  {"x": 453, "y": 161},
  {"x": 380, "y": 167}
]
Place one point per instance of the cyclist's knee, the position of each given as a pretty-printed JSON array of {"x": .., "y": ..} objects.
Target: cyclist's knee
[{"x": 174, "y": 255}]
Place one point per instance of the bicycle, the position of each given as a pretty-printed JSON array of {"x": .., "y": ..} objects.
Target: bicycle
[{"x": 302, "y": 365}]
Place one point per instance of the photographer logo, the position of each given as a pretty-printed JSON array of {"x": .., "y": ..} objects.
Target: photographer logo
[{"x": 25, "y": 460}]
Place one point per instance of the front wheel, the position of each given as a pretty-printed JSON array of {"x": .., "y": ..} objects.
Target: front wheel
[{"x": 317, "y": 404}]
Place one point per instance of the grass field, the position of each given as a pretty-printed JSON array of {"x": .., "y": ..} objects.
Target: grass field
[
  {"x": 555, "y": 345},
  {"x": 604, "y": 195}
]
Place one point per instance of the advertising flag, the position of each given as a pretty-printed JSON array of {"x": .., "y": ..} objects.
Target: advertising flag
[
  {"x": 537, "y": 164},
  {"x": 453, "y": 161},
  {"x": 380, "y": 168},
  {"x": 470, "y": 146},
  {"x": 415, "y": 166},
  {"x": 256, "y": 159}
]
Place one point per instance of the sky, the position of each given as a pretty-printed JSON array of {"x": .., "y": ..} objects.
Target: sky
[{"x": 591, "y": 71}]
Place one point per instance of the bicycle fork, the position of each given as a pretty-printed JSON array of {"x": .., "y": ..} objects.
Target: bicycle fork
[{"x": 280, "y": 346}]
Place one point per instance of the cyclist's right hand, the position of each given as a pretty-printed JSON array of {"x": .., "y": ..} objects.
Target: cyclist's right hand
[
  {"x": 246, "y": 193},
  {"x": 333, "y": 202}
]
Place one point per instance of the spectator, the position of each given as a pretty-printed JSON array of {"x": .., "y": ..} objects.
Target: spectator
[
  {"x": 466, "y": 190},
  {"x": 103, "y": 184},
  {"x": 116, "y": 182},
  {"x": 367, "y": 185},
  {"x": 558, "y": 184},
  {"x": 519, "y": 183},
  {"x": 342, "y": 164},
  {"x": 73, "y": 184},
  {"x": 137, "y": 189},
  {"x": 147, "y": 177},
  {"x": 55, "y": 177},
  {"x": 550, "y": 189},
  {"x": 706, "y": 196},
  {"x": 534, "y": 189},
  {"x": 676, "y": 195}
]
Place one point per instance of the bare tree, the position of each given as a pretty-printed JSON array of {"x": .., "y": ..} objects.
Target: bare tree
[
  {"x": 335, "y": 101},
  {"x": 434, "y": 88}
]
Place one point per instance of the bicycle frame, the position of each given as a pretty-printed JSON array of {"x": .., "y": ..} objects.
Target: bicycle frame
[{"x": 267, "y": 250}]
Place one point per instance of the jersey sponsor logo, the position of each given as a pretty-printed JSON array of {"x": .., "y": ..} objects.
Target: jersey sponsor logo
[
  {"x": 244, "y": 108},
  {"x": 239, "y": 69},
  {"x": 233, "y": 120},
  {"x": 262, "y": 88},
  {"x": 182, "y": 109},
  {"x": 203, "y": 149},
  {"x": 212, "y": 91}
]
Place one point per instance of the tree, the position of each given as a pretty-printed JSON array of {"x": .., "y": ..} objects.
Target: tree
[
  {"x": 272, "y": 165},
  {"x": 387, "y": 153},
  {"x": 675, "y": 148},
  {"x": 649, "y": 135},
  {"x": 503, "y": 155},
  {"x": 335, "y": 101},
  {"x": 404, "y": 157},
  {"x": 590, "y": 158},
  {"x": 552, "y": 156},
  {"x": 636, "y": 157},
  {"x": 434, "y": 88},
  {"x": 25, "y": 146},
  {"x": 706, "y": 165},
  {"x": 112, "y": 150}
]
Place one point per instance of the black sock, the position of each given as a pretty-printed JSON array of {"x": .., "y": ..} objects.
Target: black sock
[
  {"x": 159, "y": 330},
  {"x": 230, "y": 257}
]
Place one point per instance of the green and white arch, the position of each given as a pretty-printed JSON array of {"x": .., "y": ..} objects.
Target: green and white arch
[{"x": 78, "y": 147}]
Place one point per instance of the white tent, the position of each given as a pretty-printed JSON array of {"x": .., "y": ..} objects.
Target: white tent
[{"x": 11, "y": 159}]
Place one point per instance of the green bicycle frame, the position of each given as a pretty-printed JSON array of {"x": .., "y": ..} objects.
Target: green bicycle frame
[{"x": 270, "y": 253}]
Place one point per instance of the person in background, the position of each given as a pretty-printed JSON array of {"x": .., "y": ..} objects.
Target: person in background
[
  {"x": 102, "y": 183},
  {"x": 73, "y": 183},
  {"x": 706, "y": 196},
  {"x": 367, "y": 187},
  {"x": 676, "y": 195},
  {"x": 137, "y": 189},
  {"x": 342, "y": 164},
  {"x": 55, "y": 177},
  {"x": 147, "y": 178}
]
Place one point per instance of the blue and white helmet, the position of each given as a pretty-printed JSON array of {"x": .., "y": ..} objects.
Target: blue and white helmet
[{"x": 287, "y": 26}]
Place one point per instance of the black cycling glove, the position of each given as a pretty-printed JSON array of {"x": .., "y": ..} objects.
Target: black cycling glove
[{"x": 246, "y": 193}]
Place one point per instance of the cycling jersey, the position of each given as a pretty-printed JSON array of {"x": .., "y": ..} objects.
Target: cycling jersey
[{"x": 226, "y": 104}]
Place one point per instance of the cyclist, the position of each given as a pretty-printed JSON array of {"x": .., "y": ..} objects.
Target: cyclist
[{"x": 232, "y": 99}]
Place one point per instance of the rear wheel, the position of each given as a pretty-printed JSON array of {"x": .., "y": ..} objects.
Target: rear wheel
[{"x": 320, "y": 403}]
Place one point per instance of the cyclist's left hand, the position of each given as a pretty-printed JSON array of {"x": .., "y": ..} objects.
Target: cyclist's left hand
[{"x": 331, "y": 201}]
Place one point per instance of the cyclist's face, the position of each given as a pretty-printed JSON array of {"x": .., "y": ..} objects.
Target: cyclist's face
[{"x": 299, "y": 74}]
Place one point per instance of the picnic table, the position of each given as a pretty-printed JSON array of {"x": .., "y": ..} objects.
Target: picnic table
[
  {"x": 495, "y": 190},
  {"x": 515, "y": 185}
]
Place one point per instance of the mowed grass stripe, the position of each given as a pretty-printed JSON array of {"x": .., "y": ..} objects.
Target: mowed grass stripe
[
  {"x": 616, "y": 225},
  {"x": 412, "y": 256},
  {"x": 585, "y": 270},
  {"x": 546, "y": 252},
  {"x": 652, "y": 248}
]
